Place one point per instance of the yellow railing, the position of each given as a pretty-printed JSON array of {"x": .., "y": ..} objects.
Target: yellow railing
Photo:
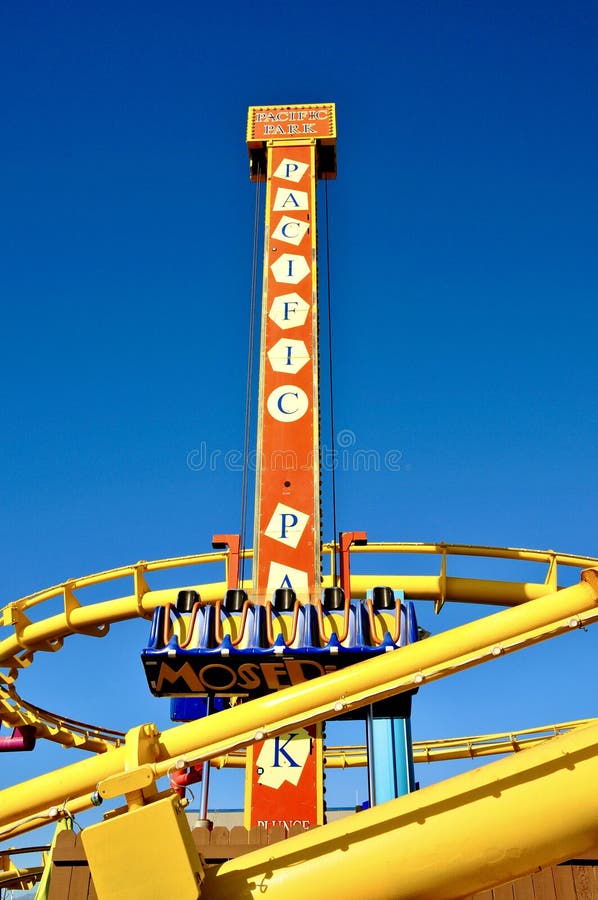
[
  {"x": 23, "y": 806},
  {"x": 23, "y": 636}
]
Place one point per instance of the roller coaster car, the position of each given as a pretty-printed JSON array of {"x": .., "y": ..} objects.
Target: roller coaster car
[{"x": 235, "y": 648}]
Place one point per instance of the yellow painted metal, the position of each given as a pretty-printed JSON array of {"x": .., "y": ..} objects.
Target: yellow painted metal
[
  {"x": 71, "y": 807},
  {"x": 145, "y": 852},
  {"x": 322, "y": 698},
  {"x": 455, "y": 590},
  {"x": 17, "y": 879},
  {"x": 475, "y": 746},
  {"x": 126, "y": 782},
  {"x": 443, "y": 749},
  {"x": 18, "y": 649},
  {"x": 15, "y": 711},
  {"x": 450, "y": 840}
]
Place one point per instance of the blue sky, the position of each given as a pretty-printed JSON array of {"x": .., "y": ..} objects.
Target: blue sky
[{"x": 463, "y": 230}]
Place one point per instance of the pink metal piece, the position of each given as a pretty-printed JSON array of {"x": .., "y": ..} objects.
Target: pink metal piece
[{"x": 22, "y": 738}]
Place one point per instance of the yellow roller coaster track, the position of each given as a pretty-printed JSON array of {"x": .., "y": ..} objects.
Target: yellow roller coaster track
[
  {"x": 27, "y": 636},
  {"x": 438, "y": 750},
  {"x": 342, "y": 757},
  {"x": 524, "y": 783}
]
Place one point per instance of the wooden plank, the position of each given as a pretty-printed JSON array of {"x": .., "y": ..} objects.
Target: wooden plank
[
  {"x": 79, "y": 883},
  {"x": 276, "y": 833},
  {"x": 485, "y": 895},
  {"x": 239, "y": 835},
  {"x": 68, "y": 849},
  {"x": 201, "y": 838},
  {"x": 523, "y": 888},
  {"x": 563, "y": 882},
  {"x": 60, "y": 882},
  {"x": 220, "y": 836},
  {"x": 584, "y": 882},
  {"x": 258, "y": 835},
  {"x": 222, "y": 843},
  {"x": 544, "y": 885},
  {"x": 503, "y": 892}
]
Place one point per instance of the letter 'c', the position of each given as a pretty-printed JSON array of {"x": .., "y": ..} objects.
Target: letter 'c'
[
  {"x": 287, "y": 412},
  {"x": 285, "y": 230},
  {"x": 287, "y": 403}
]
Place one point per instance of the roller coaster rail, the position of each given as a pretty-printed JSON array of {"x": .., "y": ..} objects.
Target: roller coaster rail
[
  {"x": 440, "y": 749},
  {"x": 26, "y": 637},
  {"x": 322, "y": 698}
]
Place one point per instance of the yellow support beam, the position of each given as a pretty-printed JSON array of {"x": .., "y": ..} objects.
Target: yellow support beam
[
  {"x": 76, "y": 617},
  {"x": 443, "y": 749},
  {"x": 449, "y": 840},
  {"x": 322, "y": 698}
]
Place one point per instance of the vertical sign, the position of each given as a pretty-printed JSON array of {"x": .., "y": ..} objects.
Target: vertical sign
[
  {"x": 293, "y": 144},
  {"x": 283, "y": 781},
  {"x": 287, "y": 526}
]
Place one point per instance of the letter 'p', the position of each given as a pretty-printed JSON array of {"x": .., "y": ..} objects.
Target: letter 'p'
[{"x": 284, "y": 525}]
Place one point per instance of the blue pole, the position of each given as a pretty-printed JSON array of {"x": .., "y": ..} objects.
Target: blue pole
[{"x": 390, "y": 763}]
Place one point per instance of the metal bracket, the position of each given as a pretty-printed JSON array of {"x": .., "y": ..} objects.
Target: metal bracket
[
  {"x": 551, "y": 576},
  {"x": 70, "y": 605},
  {"x": 141, "y": 588},
  {"x": 137, "y": 782},
  {"x": 14, "y": 615},
  {"x": 439, "y": 603}
]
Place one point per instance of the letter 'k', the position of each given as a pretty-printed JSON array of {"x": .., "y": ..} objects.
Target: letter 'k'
[{"x": 280, "y": 750}]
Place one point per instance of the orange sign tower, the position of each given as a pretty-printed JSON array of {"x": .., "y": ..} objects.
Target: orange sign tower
[{"x": 290, "y": 147}]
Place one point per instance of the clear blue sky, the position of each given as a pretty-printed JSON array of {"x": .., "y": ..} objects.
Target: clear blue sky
[{"x": 464, "y": 281}]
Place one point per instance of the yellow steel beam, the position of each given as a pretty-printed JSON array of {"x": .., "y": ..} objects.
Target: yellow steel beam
[
  {"x": 143, "y": 600},
  {"x": 437, "y": 750},
  {"x": 20, "y": 879},
  {"x": 473, "y": 746},
  {"x": 449, "y": 840},
  {"x": 320, "y": 699},
  {"x": 17, "y": 649},
  {"x": 443, "y": 749},
  {"x": 15, "y": 711},
  {"x": 47, "y": 633},
  {"x": 473, "y": 550}
]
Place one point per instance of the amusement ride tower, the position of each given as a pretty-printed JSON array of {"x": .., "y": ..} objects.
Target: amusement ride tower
[
  {"x": 284, "y": 627},
  {"x": 254, "y": 666}
]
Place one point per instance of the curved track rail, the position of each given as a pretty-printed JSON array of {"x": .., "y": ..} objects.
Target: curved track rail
[
  {"x": 538, "y": 610},
  {"x": 322, "y": 698},
  {"x": 26, "y": 635},
  {"x": 23, "y": 636}
]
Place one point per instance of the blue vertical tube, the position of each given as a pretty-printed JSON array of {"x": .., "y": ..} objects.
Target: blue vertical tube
[
  {"x": 389, "y": 745},
  {"x": 390, "y": 763}
]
